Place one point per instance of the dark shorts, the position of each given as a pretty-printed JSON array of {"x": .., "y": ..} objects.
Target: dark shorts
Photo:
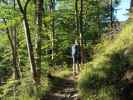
[{"x": 76, "y": 59}]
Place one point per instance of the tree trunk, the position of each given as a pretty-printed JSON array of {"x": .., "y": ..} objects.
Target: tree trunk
[
  {"x": 98, "y": 21},
  {"x": 81, "y": 31},
  {"x": 111, "y": 13},
  {"x": 77, "y": 17},
  {"x": 28, "y": 39},
  {"x": 15, "y": 55},
  {"x": 53, "y": 33},
  {"x": 131, "y": 5},
  {"x": 30, "y": 48},
  {"x": 12, "y": 39},
  {"x": 52, "y": 8},
  {"x": 39, "y": 13}
]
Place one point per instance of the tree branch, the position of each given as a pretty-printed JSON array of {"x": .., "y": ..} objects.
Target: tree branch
[
  {"x": 20, "y": 7},
  {"x": 4, "y": 2},
  {"x": 8, "y": 34},
  {"x": 26, "y": 4}
]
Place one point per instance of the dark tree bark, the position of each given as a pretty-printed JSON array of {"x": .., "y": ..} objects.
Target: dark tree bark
[
  {"x": 39, "y": 15},
  {"x": 79, "y": 26},
  {"x": 131, "y": 5},
  {"x": 98, "y": 21},
  {"x": 77, "y": 17},
  {"x": 111, "y": 13},
  {"x": 13, "y": 42},
  {"x": 81, "y": 31},
  {"x": 15, "y": 54}
]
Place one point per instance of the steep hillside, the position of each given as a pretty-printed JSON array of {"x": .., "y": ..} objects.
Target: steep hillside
[{"x": 102, "y": 78}]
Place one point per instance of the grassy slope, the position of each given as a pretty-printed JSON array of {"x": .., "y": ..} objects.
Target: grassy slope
[{"x": 100, "y": 80}]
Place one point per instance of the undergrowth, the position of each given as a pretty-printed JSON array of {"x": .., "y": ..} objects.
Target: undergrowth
[{"x": 101, "y": 79}]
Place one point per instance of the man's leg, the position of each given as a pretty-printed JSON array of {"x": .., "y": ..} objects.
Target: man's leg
[
  {"x": 77, "y": 65},
  {"x": 77, "y": 68},
  {"x": 74, "y": 65},
  {"x": 74, "y": 69}
]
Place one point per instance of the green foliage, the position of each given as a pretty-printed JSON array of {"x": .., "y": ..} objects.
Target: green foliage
[
  {"x": 23, "y": 89},
  {"x": 64, "y": 36},
  {"x": 8, "y": 12},
  {"x": 106, "y": 68},
  {"x": 61, "y": 73}
]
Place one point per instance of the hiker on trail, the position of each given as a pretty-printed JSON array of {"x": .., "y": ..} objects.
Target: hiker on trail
[{"x": 76, "y": 57}]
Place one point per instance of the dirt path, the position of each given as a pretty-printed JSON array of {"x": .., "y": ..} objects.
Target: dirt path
[{"x": 65, "y": 89}]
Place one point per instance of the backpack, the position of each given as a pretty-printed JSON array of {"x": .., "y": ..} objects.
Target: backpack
[{"x": 75, "y": 50}]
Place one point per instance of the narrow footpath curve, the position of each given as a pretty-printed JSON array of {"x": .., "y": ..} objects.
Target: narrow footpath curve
[{"x": 65, "y": 90}]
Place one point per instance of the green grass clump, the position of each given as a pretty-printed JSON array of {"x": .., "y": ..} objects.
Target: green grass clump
[
  {"x": 64, "y": 73},
  {"x": 104, "y": 71},
  {"x": 60, "y": 72}
]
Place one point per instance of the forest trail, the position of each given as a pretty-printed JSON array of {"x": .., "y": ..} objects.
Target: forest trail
[{"x": 65, "y": 89}]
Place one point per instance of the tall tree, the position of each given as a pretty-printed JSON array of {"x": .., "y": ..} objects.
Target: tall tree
[
  {"x": 77, "y": 17},
  {"x": 111, "y": 13},
  {"x": 81, "y": 30},
  {"x": 28, "y": 38},
  {"x": 11, "y": 33},
  {"x": 53, "y": 28},
  {"x": 52, "y": 8},
  {"x": 39, "y": 15},
  {"x": 12, "y": 37},
  {"x": 131, "y": 4},
  {"x": 15, "y": 53}
]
